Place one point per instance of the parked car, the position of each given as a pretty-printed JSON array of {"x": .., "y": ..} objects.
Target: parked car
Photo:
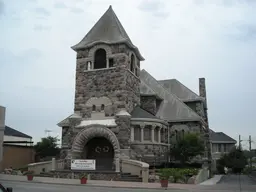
[{"x": 3, "y": 189}]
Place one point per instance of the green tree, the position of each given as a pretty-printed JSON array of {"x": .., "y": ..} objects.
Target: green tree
[
  {"x": 187, "y": 147},
  {"x": 47, "y": 147},
  {"x": 236, "y": 160}
]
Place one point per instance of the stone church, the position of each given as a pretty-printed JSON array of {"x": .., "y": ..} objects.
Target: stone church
[{"x": 121, "y": 111}]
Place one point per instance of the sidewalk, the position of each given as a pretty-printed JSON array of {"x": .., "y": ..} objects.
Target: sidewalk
[
  {"x": 98, "y": 183},
  {"x": 212, "y": 181}
]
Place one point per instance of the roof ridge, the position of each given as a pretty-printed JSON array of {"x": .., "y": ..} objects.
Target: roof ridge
[
  {"x": 183, "y": 85},
  {"x": 120, "y": 26},
  {"x": 187, "y": 87},
  {"x": 175, "y": 97}
]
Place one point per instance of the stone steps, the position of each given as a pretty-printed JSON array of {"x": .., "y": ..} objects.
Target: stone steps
[{"x": 130, "y": 178}]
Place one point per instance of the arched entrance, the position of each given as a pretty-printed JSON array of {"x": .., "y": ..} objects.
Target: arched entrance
[
  {"x": 100, "y": 143},
  {"x": 100, "y": 149}
]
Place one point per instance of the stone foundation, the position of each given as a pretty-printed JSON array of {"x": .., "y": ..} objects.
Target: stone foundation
[{"x": 92, "y": 175}]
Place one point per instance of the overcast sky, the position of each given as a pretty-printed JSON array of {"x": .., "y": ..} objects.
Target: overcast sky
[{"x": 184, "y": 39}]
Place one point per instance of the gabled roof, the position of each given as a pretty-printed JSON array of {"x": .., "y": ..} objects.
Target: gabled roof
[
  {"x": 171, "y": 109},
  {"x": 8, "y": 131},
  {"x": 145, "y": 90},
  {"x": 141, "y": 113},
  {"x": 180, "y": 90},
  {"x": 109, "y": 30},
  {"x": 220, "y": 137}
]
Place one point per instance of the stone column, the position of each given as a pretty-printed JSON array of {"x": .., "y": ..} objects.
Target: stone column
[
  {"x": 132, "y": 133},
  {"x": 153, "y": 133},
  {"x": 142, "y": 133},
  {"x": 159, "y": 134},
  {"x": 117, "y": 162},
  {"x": 53, "y": 164}
]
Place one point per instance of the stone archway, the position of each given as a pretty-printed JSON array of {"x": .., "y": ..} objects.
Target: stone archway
[{"x": 87, "y": 138}]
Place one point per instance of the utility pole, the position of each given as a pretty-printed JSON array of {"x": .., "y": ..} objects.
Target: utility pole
[
  {"x": 239, "y": 144},
  {"x": 250, "y": 149}
]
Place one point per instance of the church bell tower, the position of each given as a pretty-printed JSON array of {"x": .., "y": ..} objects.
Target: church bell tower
[{"x": 107, "y": 69}]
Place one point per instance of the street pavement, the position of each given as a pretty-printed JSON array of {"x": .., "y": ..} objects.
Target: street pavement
[
  {"x": 42, "y": 187},
  {"x": 228, "y": 183},
  {"x": 235, "y": 179}
]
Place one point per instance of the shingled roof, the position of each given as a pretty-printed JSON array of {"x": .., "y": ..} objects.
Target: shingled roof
[
  {"x": 220, "y": 137},
  {"x": 172, "y": 108},
  {"x": 109, "y": 30},
  {"x": 180, "y": 90},
  {"x": 141, "y": 113},
  {"x": 8, "y": 131}
]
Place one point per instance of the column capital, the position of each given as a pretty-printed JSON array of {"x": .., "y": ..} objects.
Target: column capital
[
  {"x": 142, "y": 125},
  {"x": 153, "y": 126}
]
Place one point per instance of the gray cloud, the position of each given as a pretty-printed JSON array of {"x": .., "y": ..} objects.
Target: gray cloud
[
  {"x": 154, "y": 7},
  {"x": 60, "y": 5},
  {"x": 150, "y": 6},
  {"x": 41, "y": 28},
  {"x": 76, "y": 10},
  {"x": 42, "y": 11},
  {"x": 248, "y": 32}
]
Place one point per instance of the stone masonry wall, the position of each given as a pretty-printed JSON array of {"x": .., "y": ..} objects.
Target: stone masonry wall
[
  {"x": 148, "y": 103},
  {"x": 188, "y": 127},
  {"x": 124, "y": 131},
  {"x": 132, "y": 91},
  {"x": 196, "y": 106},
  {"x": 150, "y": 153},
  {"x": 116, "y": 83}
]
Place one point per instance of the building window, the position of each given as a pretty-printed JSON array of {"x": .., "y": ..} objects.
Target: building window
[
  {"x": 225, "y": 147},
  {"x": 93, "y": 108},
  {"x": 132, "y": 63},
  {"x": 102, "y": 107},
  {"x": 100, "y": 59},
  {"x": 137, "y": 133},
  {"x": 219, "y": 147},
  {"x": 111, "y": 62},
  {"x": 156, "y": 130},
  {"x": 147, "y": 133}
]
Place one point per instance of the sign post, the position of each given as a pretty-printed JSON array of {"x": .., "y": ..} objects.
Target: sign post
[{"x": 83, "y": 164}]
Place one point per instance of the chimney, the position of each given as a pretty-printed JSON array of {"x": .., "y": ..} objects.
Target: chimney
[{"x": 202, "y": 89}]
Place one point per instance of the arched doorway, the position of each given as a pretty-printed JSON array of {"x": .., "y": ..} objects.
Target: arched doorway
[
  {"x": 100, "y": 149},
  {"x": 84, "y": 146}
]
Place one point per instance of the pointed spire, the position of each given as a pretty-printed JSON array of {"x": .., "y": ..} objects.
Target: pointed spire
[{"x": 109, "y": 30}]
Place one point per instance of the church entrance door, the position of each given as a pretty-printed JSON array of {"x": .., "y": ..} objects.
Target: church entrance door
[{"x": 100, "y": 149}]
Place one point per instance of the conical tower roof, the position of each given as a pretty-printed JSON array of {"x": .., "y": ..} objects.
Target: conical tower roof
[{"x": 109, "y": 30}]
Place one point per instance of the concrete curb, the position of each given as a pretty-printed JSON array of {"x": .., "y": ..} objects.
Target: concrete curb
[{"x": 88, "y": 185}]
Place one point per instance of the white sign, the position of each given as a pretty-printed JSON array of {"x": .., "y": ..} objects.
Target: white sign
[{"x": 83, "y": 164}]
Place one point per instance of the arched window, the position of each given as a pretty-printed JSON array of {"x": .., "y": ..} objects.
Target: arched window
[
  {"x": 93, "y": 108},
  {"x": 100, "y": 59},
  {"x": 132, "y": 63},
  {"x": 102, "y": 107},
  {"x": 176, "y": 135},
  {"x": 183, "y": 133}
]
